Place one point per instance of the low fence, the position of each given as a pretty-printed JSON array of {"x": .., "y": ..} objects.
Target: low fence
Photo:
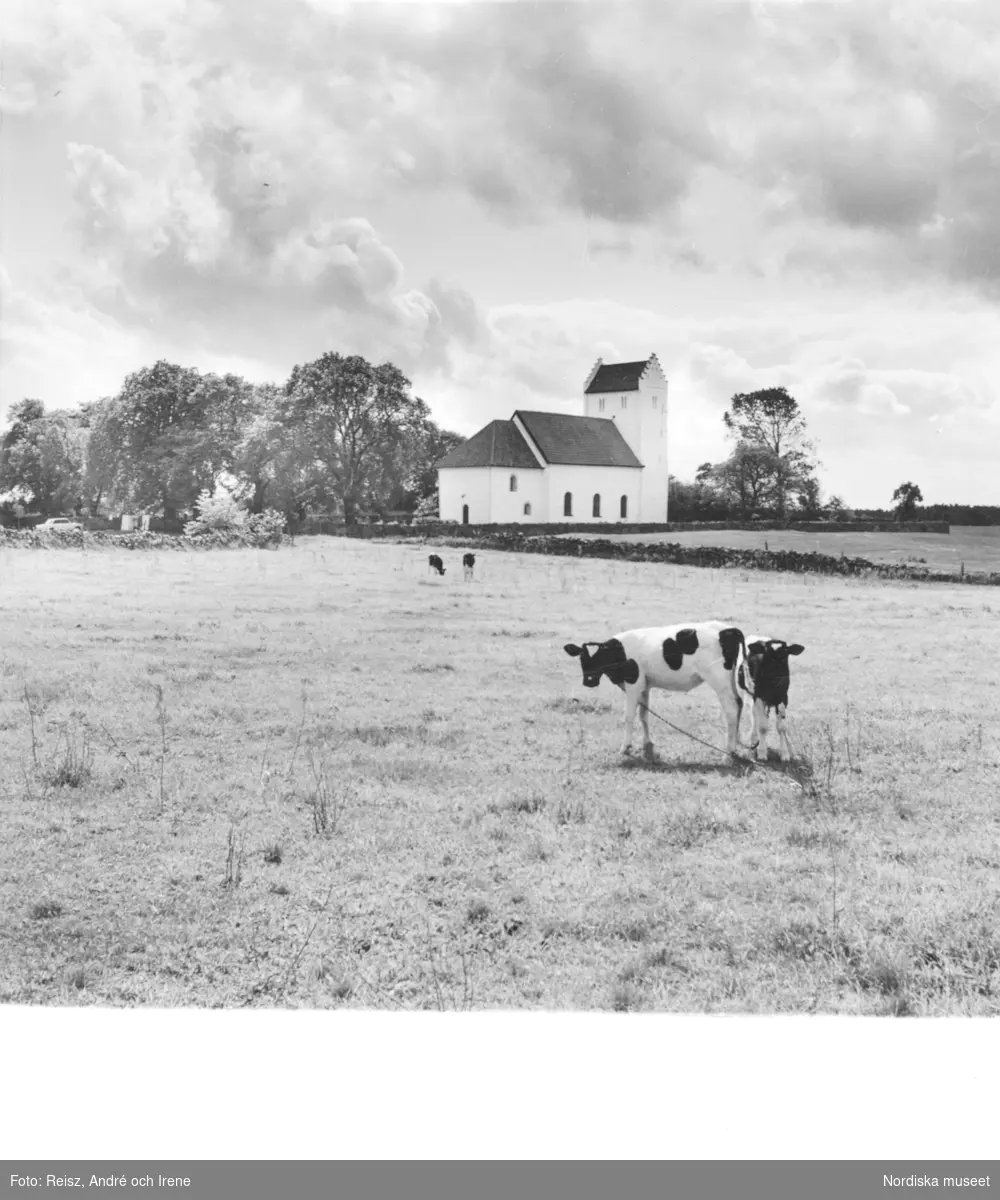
[
  {"x": 491, "y": 538},
  {"x": 445, "y": 528},
  {"x": 800, "y": 562}
]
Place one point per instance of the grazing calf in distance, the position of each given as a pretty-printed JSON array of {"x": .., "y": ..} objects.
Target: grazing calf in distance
[
  {"x": 766, "y": 680},
  {"x": 468, "y": 565},
  {"x": 434, "y": 563},
  {"x": 676, "y": 658}
]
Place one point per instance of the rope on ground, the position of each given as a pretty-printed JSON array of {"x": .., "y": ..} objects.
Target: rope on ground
[{"x": 718, "y": 749}]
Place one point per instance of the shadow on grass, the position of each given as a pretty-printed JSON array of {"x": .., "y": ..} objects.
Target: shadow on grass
[
  {"x": 661, "y": 766},
  {"x": 797, "y": 771}
]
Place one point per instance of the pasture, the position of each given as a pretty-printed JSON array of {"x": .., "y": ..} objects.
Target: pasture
[
  {"x": 978, "y": 546},
  {"x": 320, "y": 777}
]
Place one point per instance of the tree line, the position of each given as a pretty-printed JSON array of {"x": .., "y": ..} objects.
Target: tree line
[
  {"x": 341, "y": 438},
  {"x": 346, "y": 439}
]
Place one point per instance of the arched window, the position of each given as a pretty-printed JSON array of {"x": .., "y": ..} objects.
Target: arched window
[
  {"x": 568, "y": 504},
  {"x": 465, "y": 514},
  {"x": 624, "y": 401},
  {"x": 597, "y": 505},
  {"x": 513, "y": 483},
  {"x": 600, "y": 405},
  {"x": 527, "y": 510},
  {"x": 624, "y": 508}
]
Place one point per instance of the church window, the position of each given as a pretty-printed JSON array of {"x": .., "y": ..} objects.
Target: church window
[
  {"x": 513, "y": 483},
  {"x": 527, "y": 510},
  {"x": 568, "y": 504},
  {"x": 597, "y": 505},
  {"x": 624, "y": 402},
  {"x": 624, "y": 507}
]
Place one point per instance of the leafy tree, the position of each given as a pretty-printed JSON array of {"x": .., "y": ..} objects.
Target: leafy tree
[
  {"x": 770, "y": 420},
  {"x": 167, "y": 435},
  {"x": 747, "y": 477},
  {"x": 699, "y": 501},
  {"x": 22, "y": 416},
  {"x": 14, "y": 503},
  {"x": 43, "y": 454},
  {"x": 838, "y": 510},
  {"x": 355, "y": 419},
  {"x": 906, "y": 497},
  {"x": 411, "y": 471},
  {"x": 261, "y": 453},
  {"x": 428, "y": 508},
  {"x": 432, "y": 447},
  {"x": 810, "y": 498}
]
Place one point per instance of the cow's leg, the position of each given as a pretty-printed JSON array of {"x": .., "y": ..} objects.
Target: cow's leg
[
  {"x": 731, "y": 711},
  {"x": 758, "y": 739},
  {"x": 647, "y": 741},
  {"x": 632, "y": 694},
  {"x": 739, "y": 706},
  {"x": 779, "y": 721}
]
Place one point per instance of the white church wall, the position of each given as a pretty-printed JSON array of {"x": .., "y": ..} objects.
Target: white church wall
[
  {"x": 459, "y": 486},
  {"x": 486, "y": 491},
  {"x": 610, "y": 483},
  {"x": 530, "y": 488}
]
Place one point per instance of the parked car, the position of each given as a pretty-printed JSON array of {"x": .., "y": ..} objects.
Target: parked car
[{"x": 58, "y": 525}]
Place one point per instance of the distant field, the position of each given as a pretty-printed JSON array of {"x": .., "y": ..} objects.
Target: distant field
[
  {"x": 316, "y": 777},
  {"x": 978, "y": 546}
]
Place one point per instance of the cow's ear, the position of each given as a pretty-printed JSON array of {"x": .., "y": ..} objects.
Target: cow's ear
[
  {"x": 573, "y": 651},
  {"x": 796, "y": 649}
]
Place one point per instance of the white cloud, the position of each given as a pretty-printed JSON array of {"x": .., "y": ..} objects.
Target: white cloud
[{"x": 759, "y": 201}]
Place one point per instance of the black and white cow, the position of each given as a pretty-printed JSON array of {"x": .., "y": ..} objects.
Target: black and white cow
[
  {"x": 767, "y": 668},
  {"x": 434, "y": 563},
  {"x": 676, "y": 658},
  {"x": 468, "y": 565}
]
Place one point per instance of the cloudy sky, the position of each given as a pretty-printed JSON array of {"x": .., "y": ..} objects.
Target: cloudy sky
[{"x": 494, "y": 195}]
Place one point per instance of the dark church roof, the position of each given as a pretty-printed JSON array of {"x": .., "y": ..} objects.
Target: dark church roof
[
  {"x": 582, "y": 441},
  {"x": 500, "y": 444},
  {"x": 617, "y": 377}
]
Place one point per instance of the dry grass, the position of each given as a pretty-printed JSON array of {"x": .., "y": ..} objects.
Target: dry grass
[{"x": 314, "y": 777}]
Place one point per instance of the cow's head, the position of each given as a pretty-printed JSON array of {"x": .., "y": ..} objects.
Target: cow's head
[
  {"x": 768, "y": 665},
  {"x": 604, "y": 658}
]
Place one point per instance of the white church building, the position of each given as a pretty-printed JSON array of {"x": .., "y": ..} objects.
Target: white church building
[{"x": 610, "y": 464}]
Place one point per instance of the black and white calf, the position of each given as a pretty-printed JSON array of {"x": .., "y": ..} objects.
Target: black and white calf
[
  {"x": 676, "y": 658},
  {"x": 468, "y": 565},
  {"x": 434, "y": 563},
  {"x": 767, "y": 668}
]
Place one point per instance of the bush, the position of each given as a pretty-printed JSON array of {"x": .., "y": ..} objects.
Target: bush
[
  {"x": 266, "y": 528},
  {"x": 221, "y": 511},
  {"x": 222, "y": 518}
]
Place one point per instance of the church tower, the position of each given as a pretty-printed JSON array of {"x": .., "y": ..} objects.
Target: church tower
[{"x": 634, "y": 396}]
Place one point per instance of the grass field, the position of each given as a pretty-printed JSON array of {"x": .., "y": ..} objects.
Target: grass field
[
  {"x": 316, "y": 777},
  {"x": 978, "y": 546}
]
